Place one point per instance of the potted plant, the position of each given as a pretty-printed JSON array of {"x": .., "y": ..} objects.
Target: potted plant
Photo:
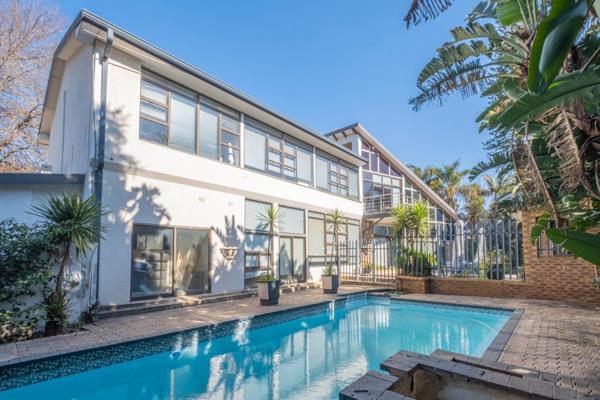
[
  {"x": 268, "y": 285},
  {"x": 268, "y": 289},
  {"x": 329, "y": 280}
]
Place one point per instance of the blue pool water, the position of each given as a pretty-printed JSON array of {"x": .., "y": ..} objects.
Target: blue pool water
[{"x": 312, "y": 357}]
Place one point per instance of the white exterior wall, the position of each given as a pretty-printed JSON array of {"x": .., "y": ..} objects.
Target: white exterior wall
[
  {"x": 153, "y": 184},
  {"x": 17, "y": 200},
  {"x": 71, "y": 139}
]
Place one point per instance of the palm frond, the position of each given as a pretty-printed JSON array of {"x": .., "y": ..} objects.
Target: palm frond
[
  {"x": 488, "y": 32},
  {"x": 465, "y": 79},
  {"x": 451, "y": 55},
  {"x": 495, "y": 161},
  {"x": 423, "y": 10}
]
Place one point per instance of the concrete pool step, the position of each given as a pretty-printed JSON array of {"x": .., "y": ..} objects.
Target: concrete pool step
[
  {"x": 452, "y": 376},
  {"x": 169, "y": 303}
]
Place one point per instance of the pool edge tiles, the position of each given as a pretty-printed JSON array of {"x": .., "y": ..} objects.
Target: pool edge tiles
[{"x": 57, "y": 366}]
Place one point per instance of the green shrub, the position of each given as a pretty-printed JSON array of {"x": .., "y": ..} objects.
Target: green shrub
[
  {"x": 26, "y": 260},
  {"x": 414, "y": 262}
]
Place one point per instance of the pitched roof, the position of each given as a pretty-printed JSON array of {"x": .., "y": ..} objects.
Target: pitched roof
[{"x": 361, "y": 131}]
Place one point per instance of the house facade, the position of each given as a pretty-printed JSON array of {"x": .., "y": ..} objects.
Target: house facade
[
  {"x": 186, "y": 166},
  {"x": 387, "y": 183}
]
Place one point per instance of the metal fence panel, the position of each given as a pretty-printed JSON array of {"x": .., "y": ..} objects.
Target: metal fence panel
[{"x": 485, "y": 250}]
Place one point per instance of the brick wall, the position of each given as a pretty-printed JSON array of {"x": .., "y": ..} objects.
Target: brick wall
[{"x": 564, "y": 278}]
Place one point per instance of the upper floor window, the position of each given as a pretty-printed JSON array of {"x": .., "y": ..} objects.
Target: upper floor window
[
  {"x": 175, "y": 117},
  {"x": 277, "y": 155},
  {"x": 336, "y": 178}
]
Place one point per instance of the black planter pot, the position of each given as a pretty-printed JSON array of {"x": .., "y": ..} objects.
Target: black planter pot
[
  {"x": 268, "y": 293},
  {"x": 330, "y": 283}
]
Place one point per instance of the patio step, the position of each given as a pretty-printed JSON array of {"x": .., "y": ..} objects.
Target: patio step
[{"x": 146, "y": 306}]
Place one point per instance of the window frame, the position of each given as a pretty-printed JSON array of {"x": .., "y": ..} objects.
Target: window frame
[
  {"x": 199, "y": 101},
  {"x": 282, "y": 152},
  {"x": 173, "y": 252}
]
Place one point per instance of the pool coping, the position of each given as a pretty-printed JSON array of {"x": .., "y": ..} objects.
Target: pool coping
[{"x": 223, "y": 328}]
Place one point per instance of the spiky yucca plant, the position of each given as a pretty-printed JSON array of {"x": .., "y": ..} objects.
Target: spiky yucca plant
[
  {"x": 271, "y": 220},
  {"x": 73, "y": 223}
]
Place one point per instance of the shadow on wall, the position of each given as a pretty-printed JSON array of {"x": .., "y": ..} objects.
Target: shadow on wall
[
  {"x": 126, "y": 203},
  {"x": 231, "y": 236}
]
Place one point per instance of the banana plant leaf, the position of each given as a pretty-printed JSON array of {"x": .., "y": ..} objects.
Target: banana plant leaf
[
  {"x": 555, "y": 35},
  {"x": 579, "y": 243}
]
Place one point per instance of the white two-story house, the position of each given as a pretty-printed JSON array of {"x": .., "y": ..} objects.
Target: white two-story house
[{"x": 185, "y": 165}]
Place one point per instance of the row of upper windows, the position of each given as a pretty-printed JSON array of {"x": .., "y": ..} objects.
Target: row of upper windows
[{"x": 181, "y": 119}]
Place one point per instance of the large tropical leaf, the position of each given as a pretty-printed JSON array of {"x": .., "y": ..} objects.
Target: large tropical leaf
[
  {"x": 510, "y": 12},
  {"x": 554, "y": 37},
  {"x": 560, "y": 93},
  {"x": 581, "y": 244}
]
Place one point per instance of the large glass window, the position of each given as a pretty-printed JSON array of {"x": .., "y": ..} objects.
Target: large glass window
[
  {"x": 183, "y": 122},
  {"x": 209, "y": 131},
  {"x": 256, "y": 248},
  {"x": 192, "y": 261},
  {"x": 230, "y": 139},
  {"x": 276, "y": 154},
  {"x": 292, "y": 220},
  {"x": 253, "y": 212},
  {"x": 305, "y": 165},
  {"x": 168, "y": 116},
  {"x": 322, "y": 173},
  {"x": 163, "y": 266},
  {"x": 154, "y": 124},
  {"x": 255, "y": 142},
  {"x": 336, "y": 178},
  {"x": 152, "y": 261}
]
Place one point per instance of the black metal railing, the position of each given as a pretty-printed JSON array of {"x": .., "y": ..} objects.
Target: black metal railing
[{"x": 485, "y": 250}]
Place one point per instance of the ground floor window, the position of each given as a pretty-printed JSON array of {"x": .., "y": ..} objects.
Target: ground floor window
[
  {"x": 321, "y": 247},
  {"x": 169, "y": 260}
]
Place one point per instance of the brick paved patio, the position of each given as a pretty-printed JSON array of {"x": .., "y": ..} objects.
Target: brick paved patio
[{"x": 551, "y": 336}]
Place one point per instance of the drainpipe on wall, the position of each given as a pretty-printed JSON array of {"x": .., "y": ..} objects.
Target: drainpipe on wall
[{"x": 99, "y": 166}]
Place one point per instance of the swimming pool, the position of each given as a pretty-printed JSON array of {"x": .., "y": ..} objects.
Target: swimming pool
[{"x": 308, "y": 353}]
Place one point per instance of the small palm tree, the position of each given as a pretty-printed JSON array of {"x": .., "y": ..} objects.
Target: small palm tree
[
  {"x": 271, "y": 221},
  {"x": 336, "y": 219},
  {"x": 419, "y": 216},
  {"x": 72, "y": 223}
]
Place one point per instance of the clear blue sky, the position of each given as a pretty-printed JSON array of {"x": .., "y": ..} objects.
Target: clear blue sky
[{"x": 325, "y": 64}]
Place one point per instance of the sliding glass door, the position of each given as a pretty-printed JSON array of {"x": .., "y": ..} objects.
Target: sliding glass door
[{"x": 169, "y": 261}]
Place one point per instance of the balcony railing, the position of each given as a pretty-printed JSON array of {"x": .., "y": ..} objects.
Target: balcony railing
[{"x": 381, "y": 204}]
